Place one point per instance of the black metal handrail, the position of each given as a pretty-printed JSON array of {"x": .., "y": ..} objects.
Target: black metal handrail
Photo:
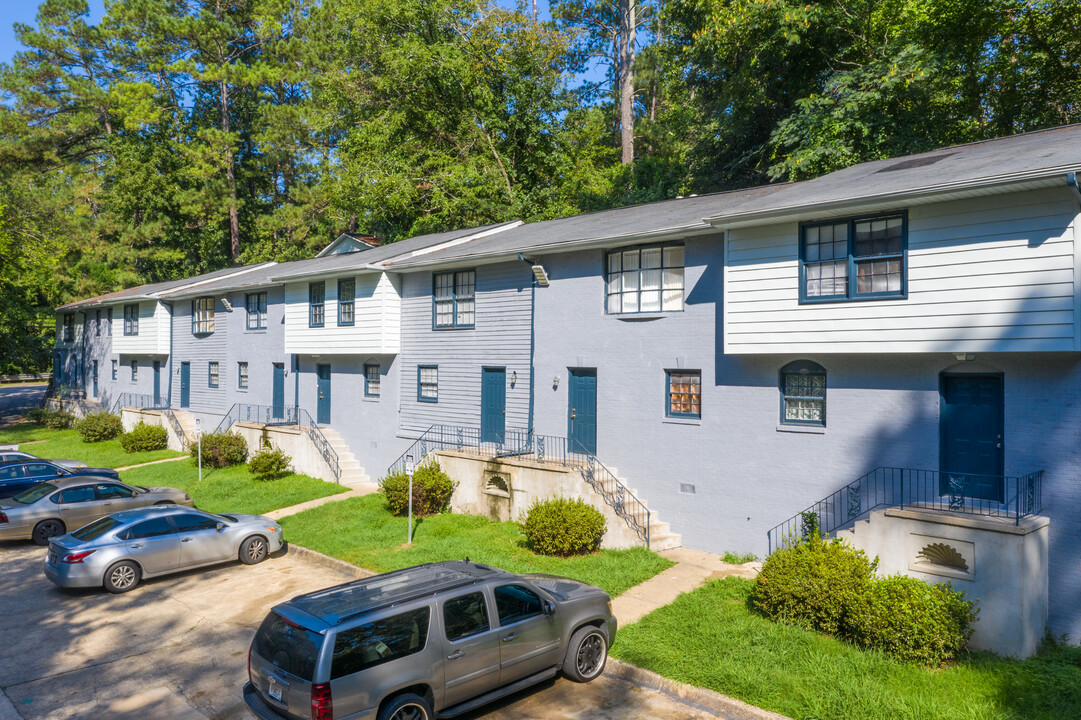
[
  {"x": 965, "y": 493},
  {"x": 262, "y": 414},
  {"x": 174, "y": 423},
  {"x": 330, "y": 455},
  {"x": 140, "y": 401},
  {"x": 545, "y": 449}
]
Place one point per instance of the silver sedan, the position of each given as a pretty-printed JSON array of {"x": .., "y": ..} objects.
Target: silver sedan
[
  {"x": 117, "y": 551},
  {"x": 68, "y": 503}
]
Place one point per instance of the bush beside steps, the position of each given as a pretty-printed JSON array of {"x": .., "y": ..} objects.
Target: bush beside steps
[
  {"x": 432, "y": 490},
  {"x": 563, "y": 527},
  {"x": 144, "y": 438},
  {"x": 219, "y": 450}
]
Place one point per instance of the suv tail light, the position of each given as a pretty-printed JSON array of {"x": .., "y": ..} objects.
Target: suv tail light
[
  {"x": 75, "y": 558},
  {"x": 322, "y": 707}
]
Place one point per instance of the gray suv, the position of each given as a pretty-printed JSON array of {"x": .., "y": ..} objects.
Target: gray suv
[{"x": 437, "y": 639}]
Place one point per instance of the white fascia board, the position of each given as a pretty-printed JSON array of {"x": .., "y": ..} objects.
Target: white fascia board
[
  {"x": 330, "y": 273},
  {"x": 661, "y": 235},
  {"x": 1000, "y": 183},
  {"x": 462, "y": 240},
  {"x": 184, "y": 289}
]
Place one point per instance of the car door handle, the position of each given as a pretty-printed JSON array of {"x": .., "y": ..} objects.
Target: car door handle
[
  {"x": 185, "y": 540},
  {"x": 455, "y": 655},
  {"x": 136, "y": 546},
  {"x": 508, "y": 638}
]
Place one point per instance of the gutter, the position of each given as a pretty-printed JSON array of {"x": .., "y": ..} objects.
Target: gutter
[
  {"x": 768, "y": 214},
  {"x": 532, "y": 343}
]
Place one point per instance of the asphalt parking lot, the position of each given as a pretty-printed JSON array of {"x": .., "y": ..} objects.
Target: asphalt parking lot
[{"x": 175, "y": 648}]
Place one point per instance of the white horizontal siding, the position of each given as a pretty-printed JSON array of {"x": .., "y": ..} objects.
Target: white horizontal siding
[
  {"x": 984, "y": 274},
  {"x": 153, "y": 337},
  {"x": 376, "y": 324}
]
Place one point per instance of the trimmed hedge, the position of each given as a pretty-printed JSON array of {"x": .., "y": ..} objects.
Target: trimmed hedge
[
  {"x": 563, "y": 527},
  {"x": 829, "y": 586},
  {"x": 270, "y": 463},
  {"x": 219, "y": 450},
  {"x": 144, "y": 438},
  {"x": 432, "y": 490},
  {"x": 99, "y": 427}
]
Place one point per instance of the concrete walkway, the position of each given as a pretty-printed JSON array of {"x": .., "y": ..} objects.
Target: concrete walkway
[
  {"x": 692, "y": 569},
  {"x": 152, "y": 462},
  {"x": 294, "y": 509}
]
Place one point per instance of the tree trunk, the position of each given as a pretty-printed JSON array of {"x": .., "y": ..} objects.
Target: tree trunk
[
  {"x": 230, "y": 175},
  {"x": 626, "y": 89}
]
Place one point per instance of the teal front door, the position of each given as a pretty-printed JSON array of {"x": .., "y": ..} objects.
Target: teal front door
[
  {"x": 157, "y": 381},
  {"x": 185, "y": 384},
  {"x": 322, "y": 407},
  {"x": 493, "y": 405},
  {"x": 277, "y": 400},
  {"x": 95, "y": 378},
  {"x": 582, "y": 411},
  {"x": 971, "y": 455}
]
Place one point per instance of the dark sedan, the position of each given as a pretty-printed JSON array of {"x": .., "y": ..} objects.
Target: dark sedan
[{"x": 19, "y": 475}]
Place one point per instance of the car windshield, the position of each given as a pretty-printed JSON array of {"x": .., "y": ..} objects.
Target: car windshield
[
  {"x": 96, "y": 529},
  {"x": 34, "y": 494}
]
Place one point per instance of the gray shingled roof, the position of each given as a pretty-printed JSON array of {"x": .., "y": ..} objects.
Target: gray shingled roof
[
  {"x": 1044, "y": 151},
  {"x": 145, "y": 291}
]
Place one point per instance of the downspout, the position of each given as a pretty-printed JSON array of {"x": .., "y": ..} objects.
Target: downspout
[
  {"x": 296, "y": 386},
  {"x": 1071, "y": 182},
  {"x": 532, "y": 345},
  {"x": 169, "y": 392}
]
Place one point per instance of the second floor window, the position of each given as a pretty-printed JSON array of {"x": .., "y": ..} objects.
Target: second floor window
[
  {"x": 202, "y": 316},
  {"x": 454, "y": 299},
  {"x": 131, "y": 319},
  {"x": 347, "y": 290},
  {"x": 316, "y": 299},
  {"x": 852, "y": 259},
  {"x": 255, "y": 303},
  {"x": 69, "y": 327},
  {"x": 645, "y": 279}
]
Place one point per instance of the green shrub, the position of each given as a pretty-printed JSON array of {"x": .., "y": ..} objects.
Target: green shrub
[
  {"x": 100, "y": 426},
  {"x": 144, "y": 438},
  {"x": 432, "y": 490},
  {"x": 270, "y": 463},
  {"x": 816, "y": 585},
  {"x": 57, "y": 419},
  {"x": 914, "y": 621},
  {"x": 220, "y": 449},
  {"x": 37, "y": 415},
  {"x": 563, "y": 527}
]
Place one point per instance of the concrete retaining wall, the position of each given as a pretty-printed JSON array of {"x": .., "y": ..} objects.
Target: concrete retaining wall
[{"x": 292, "y": 441}]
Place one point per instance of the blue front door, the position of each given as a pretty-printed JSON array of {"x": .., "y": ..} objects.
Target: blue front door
[
  {"x": 971, "y": 436},
  {"x": 493, "y": 405},
  {"x": 157, "y": 382},
  {"x": 322, "y": 407},
  {"x": 185, "y": 384},
  {"x": 95, "y": 378},
  {"x": 277, "y": 401},
  {"x": 582, "y": 411}
]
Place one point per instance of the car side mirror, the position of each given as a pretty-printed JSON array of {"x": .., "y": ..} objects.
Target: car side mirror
[
  {"x": 220, "y": 526},
  {"x": 547, "y": 608}
]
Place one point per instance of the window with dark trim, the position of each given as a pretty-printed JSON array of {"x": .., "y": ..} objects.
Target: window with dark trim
[
  {"x": 212, "y": 374},
  {"x": 454, "y": 299},
  {"x": 69, "y": 327},
  {"x": 316, "y": 299},
  {"x": 109, "y": 323},
  {"x": 347, "y": 290},
  {"x": 644, "y": 279},
  {"x": 803, "y": 394},
  {"x": 854, "y": 258},
  {"x": 131, "y": 319},
  {"x": 428, "y": 383},
  {"x": 134, "y": 370},
  {"x": 242, "y": 375},
  {"x": 97, "y": 323},
  {"x": 202, "y": 316},
  {"x": 465, "y": 616},
  {"x": 115, "y": 366},
  {"x": 255, "y": 304},
  {"x": 379, "y": 641},
  {"x": 371, "y": 380},
  {"x": 515, "y": 603},
  {"x": 684, "y": 393}
]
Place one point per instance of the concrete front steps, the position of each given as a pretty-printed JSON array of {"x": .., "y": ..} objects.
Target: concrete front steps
[
  {"x": 187, "y": 421},
  {"x": 352, "y": 474}
]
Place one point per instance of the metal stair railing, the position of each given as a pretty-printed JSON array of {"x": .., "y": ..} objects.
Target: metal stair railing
[
  {"x": 330, "y": 455},
  {"x": 174, "y": 423},
  {"x": 1012, "y": 497},
  {"x": 544, "y": 449},
  {"x": 139, "y": 401},
  {"x": 262, "y": 414}
]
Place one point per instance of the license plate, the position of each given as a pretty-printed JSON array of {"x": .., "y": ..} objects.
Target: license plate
[
  {"x": 52, "y": 558},
  {"x": 275, "y": 691}
]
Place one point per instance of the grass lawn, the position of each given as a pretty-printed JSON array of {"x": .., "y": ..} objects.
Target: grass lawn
[
  {"x": 232, "y": 489},
  {"x": 363, "y": 532},
  {"x": 711, "y": 638},
  {"x": 69, "y": 445}
]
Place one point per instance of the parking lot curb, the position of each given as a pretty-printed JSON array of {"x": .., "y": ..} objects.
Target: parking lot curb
[
  {"x": 720, "y": 705},
  {"x": 327, "y": 561}
]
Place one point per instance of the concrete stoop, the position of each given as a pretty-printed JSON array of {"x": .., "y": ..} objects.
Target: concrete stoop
[
  {"x": 504, "y": 488},
  {"x": 352, "y": 474}
]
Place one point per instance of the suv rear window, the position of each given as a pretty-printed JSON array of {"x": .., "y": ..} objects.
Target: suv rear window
[
  {"x": 380, "y": 641},
  {"x": 288, "y": 646}
]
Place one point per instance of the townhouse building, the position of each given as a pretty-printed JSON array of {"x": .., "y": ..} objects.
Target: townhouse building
[{"x": 894, "y": 348}]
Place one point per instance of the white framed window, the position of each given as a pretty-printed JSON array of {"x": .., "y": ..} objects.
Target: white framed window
[
  {"x": 131, "y": 319},
  {"x": 202, "y": 316},
  {"x": 454, "y": 299},
  {"x": 255, "y": 305},
  {"x": 644, "y": 279}
]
